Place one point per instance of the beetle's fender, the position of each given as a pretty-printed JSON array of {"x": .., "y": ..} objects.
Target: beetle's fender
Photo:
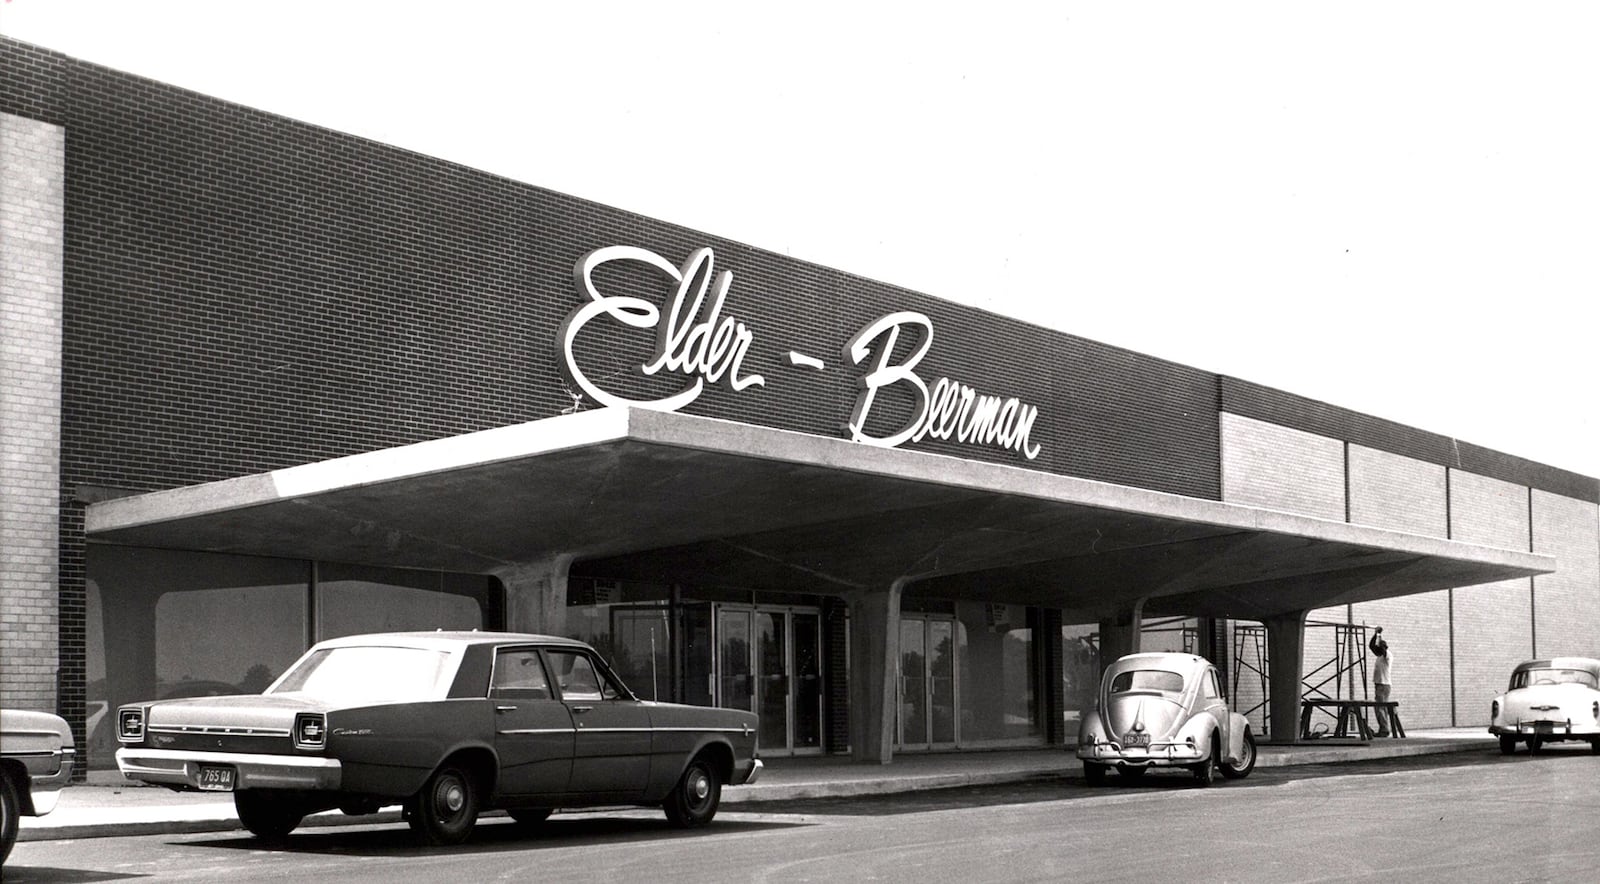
[{"x": 1238, "y": 727}]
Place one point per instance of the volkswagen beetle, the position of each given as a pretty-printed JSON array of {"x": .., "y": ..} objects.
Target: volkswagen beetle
[
  {"x": 36, "y": 758},
  {"x": 1167, "y": 711},
  {"x": 1548, "y": 701},
  {"x": 445, "y": 724}
]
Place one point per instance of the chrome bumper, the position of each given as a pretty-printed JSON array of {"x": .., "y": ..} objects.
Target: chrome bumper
[
  {"x": 45, "y": 788},
  {"x": 755, "y": 774},
  {"x": 171, "y": 767}
]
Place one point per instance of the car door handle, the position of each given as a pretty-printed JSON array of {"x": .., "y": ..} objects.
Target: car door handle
[
  {"x": 582, "y": 709},
  {"x": 505, "y": 708}
]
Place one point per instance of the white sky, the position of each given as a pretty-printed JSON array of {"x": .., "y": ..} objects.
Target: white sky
[{"x": 1393, "y": 207}]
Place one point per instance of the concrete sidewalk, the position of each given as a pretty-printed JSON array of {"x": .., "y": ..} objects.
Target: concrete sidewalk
[{"x": 109, "y": 805}]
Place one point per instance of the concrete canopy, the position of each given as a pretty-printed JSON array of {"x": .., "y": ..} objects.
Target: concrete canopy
[{"x": 675, "y": 498}]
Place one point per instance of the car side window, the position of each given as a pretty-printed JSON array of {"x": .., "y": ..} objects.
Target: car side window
[
  {"x": 1210, "y": 686},
  {"x": 579, "y": 679},
  {"x": 519, "y": 675}
]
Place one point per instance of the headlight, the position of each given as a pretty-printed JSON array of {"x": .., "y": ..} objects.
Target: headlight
[
  {"x": 130, "y": 724},
  {"x": 310, "y": 730}
]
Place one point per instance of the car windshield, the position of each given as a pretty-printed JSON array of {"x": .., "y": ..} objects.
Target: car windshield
[
  {"x": 1553, "y": 676},
  {"x": 1147, "y": 680},
  {"x": 368, "y": 674}
]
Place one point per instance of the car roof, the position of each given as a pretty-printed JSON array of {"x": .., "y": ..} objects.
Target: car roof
[
  {"x": 447, "y": 639},
  {"x": 1586, "y": 663},
  {"x": 1164, "y": 659}
]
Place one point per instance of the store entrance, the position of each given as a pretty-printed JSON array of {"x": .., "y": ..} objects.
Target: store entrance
[
  {"x": 769, "y": 661},
  {"x": 928, "y": 708}
]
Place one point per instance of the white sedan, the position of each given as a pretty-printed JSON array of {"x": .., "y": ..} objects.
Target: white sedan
[{"x": 1548, "y": 701}]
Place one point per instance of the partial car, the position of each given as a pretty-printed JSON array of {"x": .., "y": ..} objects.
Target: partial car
[
  {"x": 446, "y": 725},
  {"x": 1164, "y": 710},
  {"x": 36, "y": 757},
  {"x": 1548, "y": 701}
]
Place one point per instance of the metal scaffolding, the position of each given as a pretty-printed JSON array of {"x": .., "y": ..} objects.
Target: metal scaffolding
[{"x": 1339, "y": 674}]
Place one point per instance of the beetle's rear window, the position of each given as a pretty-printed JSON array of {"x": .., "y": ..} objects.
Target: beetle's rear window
[
  {"x": 1528, "y": 677},
  {"x": 1147, "y": 680},
  {"x": 369, "y": 674}
]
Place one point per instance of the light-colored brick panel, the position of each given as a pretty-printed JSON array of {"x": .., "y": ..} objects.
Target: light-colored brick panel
[
  {"x": 1566, "y": 604},
  {"x": 1274, "y": 467},
  {"x": 1417, "y": 628},
  {"x": 1488, "y": 511},
  {"x": 1397, "y": 493},
  {"x": 1494, "y": 632},
  {"x": 31, "y": 250}
]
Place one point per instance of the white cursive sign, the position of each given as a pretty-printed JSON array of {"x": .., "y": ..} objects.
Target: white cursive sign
[
  {"x": 951, "y": 411},
  {"x": 704, "y": 349}
]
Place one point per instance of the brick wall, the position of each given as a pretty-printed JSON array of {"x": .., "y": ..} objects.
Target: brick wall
[
  {"x": 1566, "y": 604},
  {"x": 1493, "y": 621},
  {"x": 31, "y": 220},
  {"x": 1276, "y": 467}
]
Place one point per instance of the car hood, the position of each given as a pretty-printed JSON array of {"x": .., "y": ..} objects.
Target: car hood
[
  {"x": 242, "y": 711},
  {"x": 1151, "y": 712}
]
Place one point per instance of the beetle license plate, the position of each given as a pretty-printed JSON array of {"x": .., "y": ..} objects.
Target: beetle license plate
[
  {"x": 215, "y": 778},
  {"x": 1136, "y": 740}
]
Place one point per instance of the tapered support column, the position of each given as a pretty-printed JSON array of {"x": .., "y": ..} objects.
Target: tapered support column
[
  {"x": 536, "y": 595},
  {"x": 874, "y": 663},
  {"x": 1119, "y": 635},
  {"x": 1286, "y": 643}
]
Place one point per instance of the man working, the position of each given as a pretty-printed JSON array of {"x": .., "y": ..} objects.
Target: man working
[{"x": 1380, "y": 677}]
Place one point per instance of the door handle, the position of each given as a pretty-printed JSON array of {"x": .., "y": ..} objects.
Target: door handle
[
  {"x": 582, "y": 709},
  {"x": 505, "y": 708}
]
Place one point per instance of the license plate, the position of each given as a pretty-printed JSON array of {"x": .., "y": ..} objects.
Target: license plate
[
  {"x": 1136, "y": 740},
  {"x": 216, "y": 779}
]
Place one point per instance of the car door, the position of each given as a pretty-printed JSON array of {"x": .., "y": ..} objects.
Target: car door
[
  {"x": 611, "y": 753},
  {"x": 534, "y": 735}
]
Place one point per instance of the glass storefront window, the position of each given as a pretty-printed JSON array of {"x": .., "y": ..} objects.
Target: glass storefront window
[
  {"x": 995, "y": 650},
  {"x": 630, "y": 625},
  {"x": 177, "y": 624},
  {"x": 1080, "y": 672},
  {"x": 353, "y": 599}
]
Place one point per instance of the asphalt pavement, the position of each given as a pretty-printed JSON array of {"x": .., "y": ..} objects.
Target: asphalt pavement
[{"x": 109, "y": 805}]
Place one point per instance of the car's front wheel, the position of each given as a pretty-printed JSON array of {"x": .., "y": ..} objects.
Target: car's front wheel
[
  {"x": 1247, "y": 759},
  {"x": 1508, "y": 744},
  {"x": 267, "y": 815},
  {"x": 446, "y": 808},
  {"x": 10, "y": 816},
  {"x": 693, "y": 802},
  {"x": 1535, "y": 745}
]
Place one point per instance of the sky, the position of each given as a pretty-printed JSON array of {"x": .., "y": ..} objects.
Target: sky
[{"x": 1391, "y": 207}]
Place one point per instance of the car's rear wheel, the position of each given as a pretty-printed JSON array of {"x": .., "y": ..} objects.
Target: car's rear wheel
[
  {"x": 1594, "y": 746},
  {"x": 1508, "y": 744},
  {"x": 1094, "y": 774},
  {"x": 10, "y": 815},
  {"x": 1247, "y": 759},
  {"x": 693, "y": 802},
  {"x": 267, "y": 815},
  {"x": 1206, "y": 771},
  {"x": 529, "y": 816},
  {"x": 446, "y": 808}
]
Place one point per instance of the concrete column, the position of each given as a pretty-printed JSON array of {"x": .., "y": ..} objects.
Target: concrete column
[
  {"x": 874, "y": 664},
  {"x": 1286, "y": 643},
  {"x": 1119, "y": 635},
  {"x": 536, "y": 595}
]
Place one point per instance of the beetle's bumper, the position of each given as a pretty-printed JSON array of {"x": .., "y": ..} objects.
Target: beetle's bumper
[
  {"x": 169, "y": 767},
  {"x": 1175, "y": 754}
]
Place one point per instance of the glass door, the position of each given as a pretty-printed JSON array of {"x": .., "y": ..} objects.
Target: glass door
[
  {"x": 929, "y": 707},
  {"x": 769, "y": 661}
]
